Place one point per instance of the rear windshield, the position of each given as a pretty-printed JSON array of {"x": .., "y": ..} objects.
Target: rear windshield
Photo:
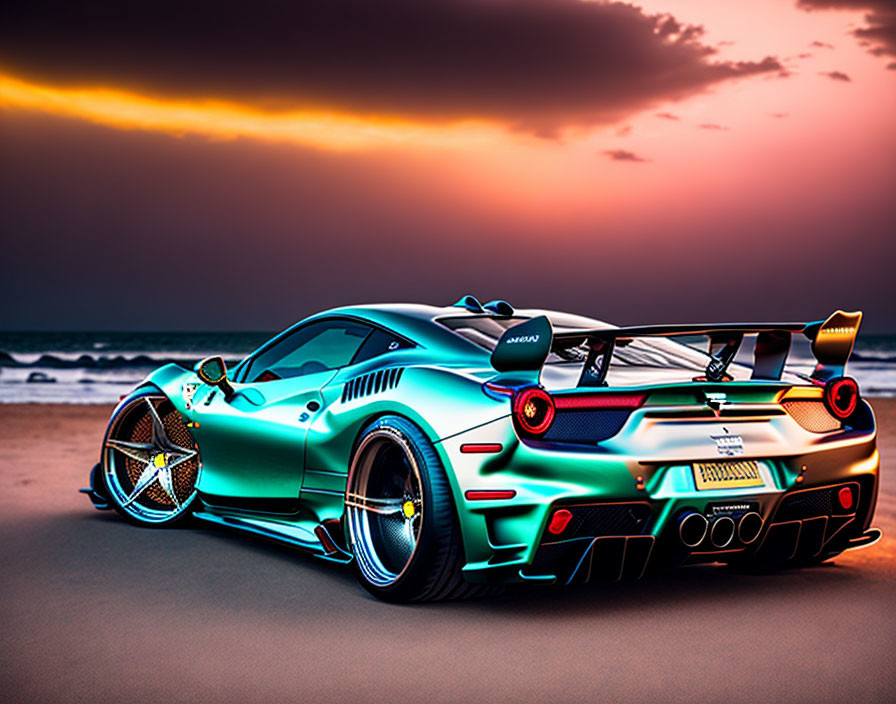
[{"x": 639, "y": 353}]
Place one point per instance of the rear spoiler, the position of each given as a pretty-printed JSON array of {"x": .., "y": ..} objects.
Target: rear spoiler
[{"x": 525, "y": 347}]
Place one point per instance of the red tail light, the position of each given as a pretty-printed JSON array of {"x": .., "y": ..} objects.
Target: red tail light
[
  {"x": 604, "y": 400},
  {"x": 533, "y": 409},
  {"x": 559, "y": 521},
  {"x": 480, "y": 447},
  {"x": 489, "y": 494},
  {"x": 844, "y": 496},
  {"x": 841, "y": 396}
]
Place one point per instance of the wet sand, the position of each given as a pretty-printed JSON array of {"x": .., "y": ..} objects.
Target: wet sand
[{"x": 95, "y": 610}]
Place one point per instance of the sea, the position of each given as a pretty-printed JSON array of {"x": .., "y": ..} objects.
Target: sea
[{"x": 100, "y": 367}]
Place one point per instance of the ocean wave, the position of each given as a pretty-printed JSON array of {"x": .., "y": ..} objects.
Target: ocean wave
[
  {"x": 883, "y": 358},
  {"x": 88, "y": 393},
  {"x": 85, "y": 360}
]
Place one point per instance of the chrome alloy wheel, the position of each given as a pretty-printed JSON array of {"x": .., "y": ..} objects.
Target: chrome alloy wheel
[
  {"x": 384, "y": 506},
  {"x": 150, "y": 461}
]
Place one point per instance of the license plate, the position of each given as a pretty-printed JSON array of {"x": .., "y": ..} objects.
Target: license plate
[{"x": 726, "y": 475}]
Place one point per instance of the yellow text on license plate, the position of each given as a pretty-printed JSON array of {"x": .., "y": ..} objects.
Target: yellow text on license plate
[{"x": 726, "y": 475}]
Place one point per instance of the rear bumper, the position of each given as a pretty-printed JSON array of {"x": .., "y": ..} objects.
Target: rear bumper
[{"x": 507, "y": 540}]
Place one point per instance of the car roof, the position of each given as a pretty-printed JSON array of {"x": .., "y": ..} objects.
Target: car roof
[{"x": 418, "y": 322}]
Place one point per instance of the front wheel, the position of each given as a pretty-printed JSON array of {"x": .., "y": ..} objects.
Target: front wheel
[
  {"x": 399, "y": 517},
  {"x": 150, "y": 462}
]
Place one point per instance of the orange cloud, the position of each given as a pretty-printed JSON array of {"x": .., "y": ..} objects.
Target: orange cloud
[
  {"x": 331, "y": 131},
  {"x": 535, "y": 66}
]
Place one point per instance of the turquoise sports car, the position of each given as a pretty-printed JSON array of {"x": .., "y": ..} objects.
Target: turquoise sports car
[{"x": 446, "y": 451}]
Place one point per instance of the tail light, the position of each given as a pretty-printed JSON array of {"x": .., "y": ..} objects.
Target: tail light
[
  {"x": 844, "y": 496},
  {"x": 533, "y": 409},
  {"x": 605, "y": 401},
  {"x": 490, "y": 494},
  {"x": 559, "y": 521},
  {"x": 841, "y": 396}
]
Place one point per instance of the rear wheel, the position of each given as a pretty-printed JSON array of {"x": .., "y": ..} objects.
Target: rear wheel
[
  {"x": 150, "y": 462},
  {"x": 399, "y": 518}
]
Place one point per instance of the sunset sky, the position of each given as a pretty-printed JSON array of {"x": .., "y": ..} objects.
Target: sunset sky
[{"x": 207, "y": 166}]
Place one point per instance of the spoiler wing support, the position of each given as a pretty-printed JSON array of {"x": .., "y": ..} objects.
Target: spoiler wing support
[
  {"x": 722, "y": 349},
  {"x": 770, "y": 354},
  {"x": 832, "y": 343},
  {"x": 524, "y": 347},
  {"x": 597, "y": 363}
]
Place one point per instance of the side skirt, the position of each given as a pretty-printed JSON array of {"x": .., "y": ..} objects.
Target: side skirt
[{"x": 300, "y": 536}]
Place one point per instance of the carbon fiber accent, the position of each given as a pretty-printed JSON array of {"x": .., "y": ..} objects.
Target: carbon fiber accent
[
  {"x": 597, "y": 532},
  {"x": 596, "y": 520},
  {"x": 559, "y": 557},
  {"x": 594, "y": 559},
  {"x": 813, "y": 503},
  {"x": 812, "y": 415},
  {"x": 807, "y": 504},
  {"x": 586, "y": 427}
]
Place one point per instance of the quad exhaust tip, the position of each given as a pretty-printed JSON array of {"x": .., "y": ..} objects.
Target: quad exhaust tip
[
  {"x": 722, "y": 531},
  {"x": 749, "y": 527},
  {"x": 692, "y": 527}
]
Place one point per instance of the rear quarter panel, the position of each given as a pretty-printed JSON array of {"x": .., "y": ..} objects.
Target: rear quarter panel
[{"x": 441, "y": 402}]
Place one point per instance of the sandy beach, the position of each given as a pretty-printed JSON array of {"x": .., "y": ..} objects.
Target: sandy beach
[{"x": 96, "y": 610}]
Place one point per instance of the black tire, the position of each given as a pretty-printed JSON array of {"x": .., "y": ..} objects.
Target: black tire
[
  {"x": 152, "y": 508},
  {"x": 433, "y": 571}
]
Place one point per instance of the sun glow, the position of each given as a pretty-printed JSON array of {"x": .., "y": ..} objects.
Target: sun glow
[{"x": 216, "y": 119}]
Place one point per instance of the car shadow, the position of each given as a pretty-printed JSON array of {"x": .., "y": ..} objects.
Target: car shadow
[{"x": 709, "y": 586}]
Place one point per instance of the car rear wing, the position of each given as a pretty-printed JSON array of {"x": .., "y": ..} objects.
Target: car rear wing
[{"x": 525, "y": 347}]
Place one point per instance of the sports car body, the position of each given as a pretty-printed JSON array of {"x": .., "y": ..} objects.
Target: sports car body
[{"x": 444, "y": 451}]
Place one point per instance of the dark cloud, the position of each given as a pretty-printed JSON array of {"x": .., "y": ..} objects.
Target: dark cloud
[
  {"x": 879, "y": 32},
  {"x": 892, "y": 66},
  {"x": 836, "y": 76},
  {"x": 667, "y": 116},
  {"x": 622, "y": 155},
  {"x": 822, "y": 45},
  {"x": 537, "y": 65},
  {"x": 780, "y": 115},
  {"x": 712, "y": 126}
]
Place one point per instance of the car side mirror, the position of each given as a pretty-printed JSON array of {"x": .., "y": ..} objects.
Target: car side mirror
[{"x": 213, "y": 371}]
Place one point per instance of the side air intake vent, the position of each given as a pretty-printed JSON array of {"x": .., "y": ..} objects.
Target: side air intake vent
[{"x": 372, "y": 383}]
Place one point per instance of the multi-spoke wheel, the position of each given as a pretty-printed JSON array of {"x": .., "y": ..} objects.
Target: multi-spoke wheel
[
  {"x": 150, "y": 462},
  {"x": 384, "y": 506},
  {"x": 399, "y": 517}
]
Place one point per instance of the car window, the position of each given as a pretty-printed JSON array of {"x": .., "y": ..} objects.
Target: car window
[
  {"x": 480, "y": 330},
  {"x": 317, "y": 347},
  {"x": 377, "y": 343}
]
